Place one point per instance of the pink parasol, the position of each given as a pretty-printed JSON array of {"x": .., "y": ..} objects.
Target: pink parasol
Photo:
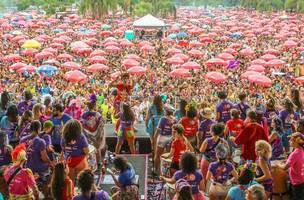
[
  {"x": 137, "y": 70},
  {"x": 97, "y": 52},
  {"x": 126, "y": 43},
  {"x": 106, "y": 33},
  {"x": 216, "y": 77},
  {"x": 98, "y": 59},
  {"x": 225, "y": 56},
  {"x": 143, "y": 43},
  {"x": 276, "y": 63},
  {"x": 130, "y": 63},
  {"x": 191, "y": 65},
  {"x": 132, "y": 56},
  {"x": 290, "y": 44},
  {"x": 184, "y": 57},
  {"x": 12, "y": 58},
  {"x": 196, "y": 44},
  {"x": 43, "y": 55},
  {"x": 17, "y": 66},
  {"x": 168, "y": 40},
  {"x": 257, "y": 68},
  {"x": 27, "y": 68},
  {"x": 260, "y": 80},
  {"x": 29, "y": 52},
  {"x": 300, "y": 79},
  {"x": 195, "y": 53},
  {"x": 180, "y": 73},
  {"x": 115, "y": 75},
  {"x": 82, "y": 50},
  {"x": 112, "y": 49},
  {"x": 215, "y": 61},
  {"x": 230, "y": 51},
  {"x": 71, "y": 65},
  {"x": 147, "y": 48},
  {"x": 258, "y": 62},
  {"x": 271, "y": 51},
  {"x": 175, "y": 61},
  {"x": 268, "y": 57},
  {"x": 65, "y": 57},
  {"x": 57, "y": 46},
  {"x": 50, "y": 50},
  {"x": 247, "y": 52},
  {"x": 174, "y": 51},
  {"x": 111, "y": 43},
  {"x": 246, "y": 74},
  {"x": 97, "y": 67},
  {"x": 75, "y": 76}
]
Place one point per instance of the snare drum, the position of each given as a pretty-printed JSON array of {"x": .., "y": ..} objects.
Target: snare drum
[
  {"x": 280, "y": 178},
  {"x": 92, "y": 157},
  {"x": 165, "y": 165}
]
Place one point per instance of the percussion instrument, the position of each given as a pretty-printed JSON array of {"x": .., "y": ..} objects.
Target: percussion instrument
[
  {"x": 165, "y": 165},
  {"x": 92, "y": 157},
  {"x": 280, "y": 186},
  {"x": 236, "y": 157},
  {"x": 170, "y": 191}
]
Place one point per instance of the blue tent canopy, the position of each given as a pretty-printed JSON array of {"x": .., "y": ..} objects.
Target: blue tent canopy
[{"x": 47, "y": 69}]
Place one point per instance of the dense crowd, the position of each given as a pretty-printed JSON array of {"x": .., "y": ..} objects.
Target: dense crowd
[{"x": 227, "y": 138}]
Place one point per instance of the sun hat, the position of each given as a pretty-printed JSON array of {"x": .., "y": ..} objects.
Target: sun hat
[{"x": 207, "y": 113}]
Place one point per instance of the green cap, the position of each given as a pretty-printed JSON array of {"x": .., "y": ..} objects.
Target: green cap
[{"x": 48, "y": 124}]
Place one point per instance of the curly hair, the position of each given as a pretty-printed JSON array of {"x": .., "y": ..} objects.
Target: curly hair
[
  {"x": 71, "y": 130},
  {"x": 188, "y": 163}
]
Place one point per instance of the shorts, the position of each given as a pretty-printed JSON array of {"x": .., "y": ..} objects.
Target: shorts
[
  {"x": 126, "y": 134},
  {"x": 285, "y": 141},
  {"x": 164, "y": 140},
  {"x": 73, "y": 161}
]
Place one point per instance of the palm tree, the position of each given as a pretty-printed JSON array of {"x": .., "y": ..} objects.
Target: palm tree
[
  {"x": 165, "y": 8},
  {"x": 97, "y": 8}
]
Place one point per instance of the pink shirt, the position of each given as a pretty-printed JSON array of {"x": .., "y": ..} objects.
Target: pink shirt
[
  {"x": 22, "y": 182},
  {"x": 296, "y": 163}
]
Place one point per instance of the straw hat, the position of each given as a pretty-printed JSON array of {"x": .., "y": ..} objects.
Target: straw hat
[{"x": 207, "y": 113}]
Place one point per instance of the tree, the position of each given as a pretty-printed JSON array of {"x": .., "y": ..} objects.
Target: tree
[
  {"x": 164, "y": 8},
  {"x": 142, "y": 8},
  {"x": 97, "y": 8}
]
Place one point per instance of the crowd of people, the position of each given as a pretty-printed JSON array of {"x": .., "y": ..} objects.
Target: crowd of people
[{"x": 225, "y": 137}]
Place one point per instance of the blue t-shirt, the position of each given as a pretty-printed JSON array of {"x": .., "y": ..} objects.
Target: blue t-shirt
[
  {"x": 127, "y": 177},
  {"x": 58, "y": 125},
  {"x": 238, "y": 192}
]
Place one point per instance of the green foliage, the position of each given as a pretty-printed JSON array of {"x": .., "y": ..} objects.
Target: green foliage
[
  {"x": 142, "y": 8},
  {"x": 264, "y": 5}
]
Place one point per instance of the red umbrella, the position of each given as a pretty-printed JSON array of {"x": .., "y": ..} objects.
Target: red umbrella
[
  {"x": 12, "y": 58},
  {"x": 276, "y": 63},
  {"x": 290, "y": 44},
  {"x": 75, "y": 76},
  {"x": 216, "y": 77},
  {"x": 183, "y": 43},
  {"x": 57, "y": 46},
  {"x": 230, "y": 50},
  {"x": 65, "y": 57},
  {"x": 191, "y": 65},
  {"x": 300, "y": 79},
  {"x": 112, "y": 49},
  {"x": 167, "y": 40},
  {"x": 246, "y": 74},
  {"x": 82, "y": 50},
  {"x": 271, "y": 51},
  {"x": 225, "y": 56},
  {"x": 110, "y": 39},
  {"x": 98, "y": 59},
  {"x": 196, "y": 44},
  {"x": 257, "y": 68},
  {"x": 50, "y": 50},
  {"x": 268, "y": 57},
  {"x": 43, "y": 55},
  {"x": 71, "y": 65},
  {"x": 247, "y": 52},
  {"x": 235, "y": 46},
  {"x": 126, "y": 43},
  {"x": 27, "y": 68},
  {"x": 17, "y": 66},
  {"x": 143, "y": 43},
  {"x": 111, "y": 43},
  {"x": 215, "y": 61},
  {"x": 97, "y": 67},
  {"x": 29, "y": 52},
  {"x": 130, "y": 63},
  {"x": 175, "y": 61},
  {"x": 184, "y": 57},
  {"x": 258, "y": 62},
  {"x": 180, "y": 72},
  {"x": 105, "y": 33},
  {"x": 59, "y": 40},
  {"x": 173, "y": 51},
  {"x": 260, "y": 80},
  {"x": 147, "y": 48},
  {"x": 195, "y": 53},
  {"x": 97, "y": 52},
  {"x": 133, "y": 57},
  {"x": 137, "y": 70}
]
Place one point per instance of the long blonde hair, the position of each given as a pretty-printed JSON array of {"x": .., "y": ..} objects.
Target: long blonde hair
[{"x": 264, "y": 145}]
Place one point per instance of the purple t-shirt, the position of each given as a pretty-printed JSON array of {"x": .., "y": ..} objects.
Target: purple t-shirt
[
  {"x": 25, "y": 105},
  {"x": 209, "y": 153},
  {"x": 288, "y": 119},
  {"x": 193, "y": 179},
  {"x": 224, "y": 108},
  {"x": 124, "y": 123},
  {"x": 33, "y": 152},
  {"x": 259, "y": 173},
  {"x": 90, "y": 120},
  {"x": 277, "y": 146},
  {"x": 100, "y": 195},
  {"x": 243, "y": 108},
  {"x": 270, "y": 114},
  {"x": 75, "y": 148},
  {"x": 165, "y": 126},
  {"x": 25, "y": 130},
  {"x": 221, "y": 172},
  {"x": 205, "y": 127},
  {"x": 5, "y": 157}
]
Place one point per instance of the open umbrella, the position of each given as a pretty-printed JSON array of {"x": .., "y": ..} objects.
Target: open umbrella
[
  {"x": 43, "y": 55},
  {"x": 268, "y": 57},
  {"x": 29, "y": 52},
  {"x": 216, "y": 77},
  {"x": 12, "y": 58},
  {"x": 130, "y": 63},
  {"x": 132, "y": 56},
  {"x": 276, "y": 63},
  {"x": 300, "y": 79},
  {"x": 195, "y": 53},
  {"x": 258, "y": 62},
  {"x": 175, "y": 61},
  {"x": 71, "y": 65},
  {"x": 191, "y": 65},
  {"x": 97, "y": 67},
  {"x": 65, "y": 57},
  {"x": 246, "y": 74},
  {"x": 75, "y": 76},
  {"x": 290, "y": 44},
  {"x": 215, "y": 61},
  {"x": 225, "y": 56},
  {"x": 271, "y": 51},
  {"x": 173, "y": 51},
  {"x": 97, "y": 52},
  {"x": 47, "y": 69},
  {"x": 180, "y": 73},
  {"x": 98, "y": 59},
  {"x": 260, "y": 80},
  {"x": 247, "y": 52},
  {"x": 137, "y": 70},
  {"x": 31, "y": 44},
  {"x": 28, "y": 68},
  {"x": 115, "y": 75},
  {"x": 147, "y": 48},
  {"x": 257, "y": 68},
  {"x": 17, "y": 66},
  {"x": 112, "y": 49}
]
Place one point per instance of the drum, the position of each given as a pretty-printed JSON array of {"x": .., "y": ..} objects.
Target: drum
[
  {"x": 165, "y": 165},
  {"x": 170, "y": 191},
  {"x": 280, "y": 186},
  {"x": 92, "y": 157},
  {"x": 236, "y": 157}
]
